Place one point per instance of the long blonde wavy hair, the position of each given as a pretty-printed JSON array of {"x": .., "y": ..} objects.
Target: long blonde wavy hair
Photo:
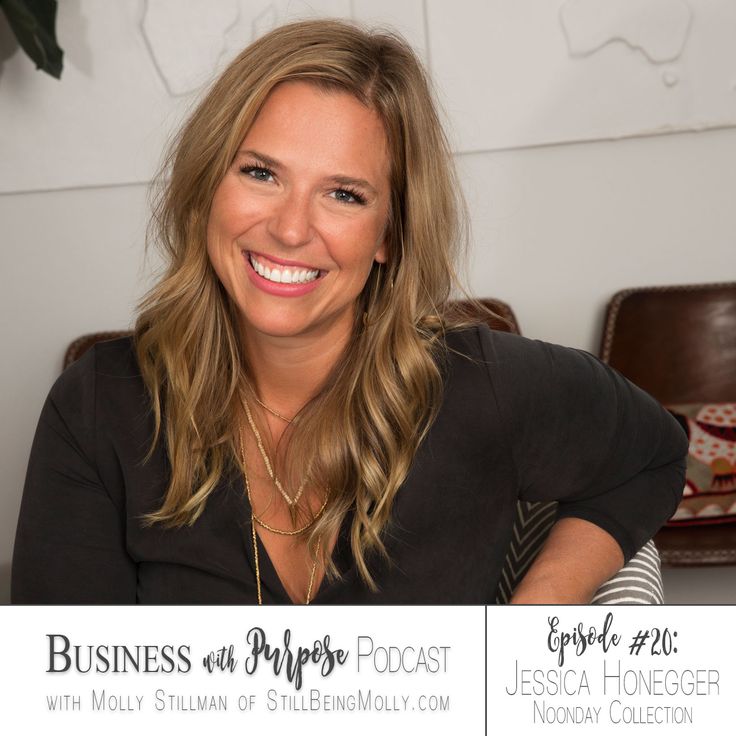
[{"x": 360, "y": 433}]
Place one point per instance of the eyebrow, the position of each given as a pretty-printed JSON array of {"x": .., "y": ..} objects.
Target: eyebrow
[{"x": 340, "y": 179}]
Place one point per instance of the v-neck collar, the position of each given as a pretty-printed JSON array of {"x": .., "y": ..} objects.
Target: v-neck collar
[{"x": 270, "y": 580}]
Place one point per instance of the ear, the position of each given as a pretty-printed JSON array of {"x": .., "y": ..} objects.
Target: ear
[{"x": 381, "y": 255}]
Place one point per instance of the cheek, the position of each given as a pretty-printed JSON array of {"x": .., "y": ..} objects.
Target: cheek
[
  {"x": 221, "y": 214},
  {"x": 220, "y": 251},
  {"x": 232, "y": 211},
  {"x": 356, "y": 259},
  {"x": 358, "y": 245},
  {"x": 214, "y": 243},
  {"x": 215, "y": 226},
  {"x": 228, "y": 219},
  {"x": 214, "y": 254}
]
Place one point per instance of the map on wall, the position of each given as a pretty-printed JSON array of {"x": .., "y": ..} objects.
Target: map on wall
[
  {"x": 537, "y": 72},
  {"x": 509, "y": 73}
]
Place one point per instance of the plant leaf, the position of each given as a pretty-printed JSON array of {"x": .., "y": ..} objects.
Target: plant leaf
[{"x": 34, "y": 25}]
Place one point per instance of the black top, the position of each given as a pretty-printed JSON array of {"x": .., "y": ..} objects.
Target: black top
[{"x": 520, "y": 419}]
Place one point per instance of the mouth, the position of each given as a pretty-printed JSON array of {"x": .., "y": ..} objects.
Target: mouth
[{"x": 281, "y": 273}]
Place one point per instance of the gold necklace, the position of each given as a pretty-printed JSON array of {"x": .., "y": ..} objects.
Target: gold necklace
[
  {"x": 258, "y": 570},
  {"x": 270, "y": 410},
  {"x": 255, "y": 520},
  {"x": 259, "y": 521},
  {"x": 291, "y": 501}
]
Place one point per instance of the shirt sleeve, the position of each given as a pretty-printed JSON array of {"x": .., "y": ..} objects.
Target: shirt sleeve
[
  {"x": 582, "y": 434},
  {"x": 70, "y": 539}
]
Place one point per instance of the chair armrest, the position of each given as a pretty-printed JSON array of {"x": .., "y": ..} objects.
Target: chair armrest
[{"x": 639, "y": 582}]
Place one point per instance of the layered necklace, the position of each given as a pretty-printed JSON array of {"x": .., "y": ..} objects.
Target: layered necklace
[{"x": 291, "y": 501}]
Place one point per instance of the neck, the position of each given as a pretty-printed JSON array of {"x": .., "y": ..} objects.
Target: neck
[{"x": 289, "y": 371}]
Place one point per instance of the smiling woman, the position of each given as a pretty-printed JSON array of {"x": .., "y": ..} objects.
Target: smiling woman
[
  {"x": 299, "y": 416},
  {"x": 303, "y": 211}
]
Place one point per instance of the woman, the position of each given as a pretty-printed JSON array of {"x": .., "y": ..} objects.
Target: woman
[{"x": 297, "y": 417}]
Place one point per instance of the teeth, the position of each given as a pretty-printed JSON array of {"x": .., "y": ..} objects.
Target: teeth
[{"x": 283, "y": 275}]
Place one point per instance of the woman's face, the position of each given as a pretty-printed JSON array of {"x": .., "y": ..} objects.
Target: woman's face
[{"x": 300, "y": 216}]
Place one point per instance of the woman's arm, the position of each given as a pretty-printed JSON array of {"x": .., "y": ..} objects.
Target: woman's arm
[
  {"x": 583, "y": 435},
  {"x": 577, "y": 558},
  {"x": 70, "y": 540}
]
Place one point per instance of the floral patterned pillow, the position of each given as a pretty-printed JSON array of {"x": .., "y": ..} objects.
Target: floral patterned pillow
[{"x": 710, "y": 486}]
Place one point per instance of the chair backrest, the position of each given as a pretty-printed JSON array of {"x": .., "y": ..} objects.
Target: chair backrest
[{"x": 677, "y": 342}]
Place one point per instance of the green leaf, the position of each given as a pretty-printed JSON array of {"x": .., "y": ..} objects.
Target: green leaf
[{"x": 34, "y": 25}]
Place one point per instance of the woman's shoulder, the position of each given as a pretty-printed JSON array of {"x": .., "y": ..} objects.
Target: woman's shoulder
[
  {"x": 521, "y": 367},
  {"x": 114, "y": 358},
  {"x": 106, "y": 370},
  {"x": 481, "y": 342},
  {"x": 477, "y": 354}
]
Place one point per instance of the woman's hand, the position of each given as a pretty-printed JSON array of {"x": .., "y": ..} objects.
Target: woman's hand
[{"x": 577, "y": 558}]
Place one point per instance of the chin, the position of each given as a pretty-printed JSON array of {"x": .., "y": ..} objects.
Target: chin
[
  {"x": 274, "y": 328},
  {"x": 291, "y": 325}
]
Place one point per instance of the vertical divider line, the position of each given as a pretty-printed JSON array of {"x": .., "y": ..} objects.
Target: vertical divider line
[{"x": 485, "y": 669}]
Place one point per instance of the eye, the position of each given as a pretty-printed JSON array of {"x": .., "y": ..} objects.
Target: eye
[
  {"x": 259, "y": 173},
  {"x": 348, "y": 196}
]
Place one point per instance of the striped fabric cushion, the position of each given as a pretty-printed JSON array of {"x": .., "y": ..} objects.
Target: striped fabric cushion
[{"x": 639, "y": 582}]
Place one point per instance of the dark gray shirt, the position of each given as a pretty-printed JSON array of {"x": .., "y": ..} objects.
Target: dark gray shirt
[{"x": 520, "y": 419}]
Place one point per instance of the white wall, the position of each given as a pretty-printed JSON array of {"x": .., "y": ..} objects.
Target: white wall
[{"x": 586, "y": 169}]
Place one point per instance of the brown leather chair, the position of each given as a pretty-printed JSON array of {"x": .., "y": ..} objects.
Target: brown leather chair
[{"x": 679, "y": 344}]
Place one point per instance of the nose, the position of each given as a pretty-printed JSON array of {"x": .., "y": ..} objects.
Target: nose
[{"x": 291, "y": 219}]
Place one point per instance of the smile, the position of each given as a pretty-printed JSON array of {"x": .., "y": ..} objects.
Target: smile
[{"x": 280, "y": 274}]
